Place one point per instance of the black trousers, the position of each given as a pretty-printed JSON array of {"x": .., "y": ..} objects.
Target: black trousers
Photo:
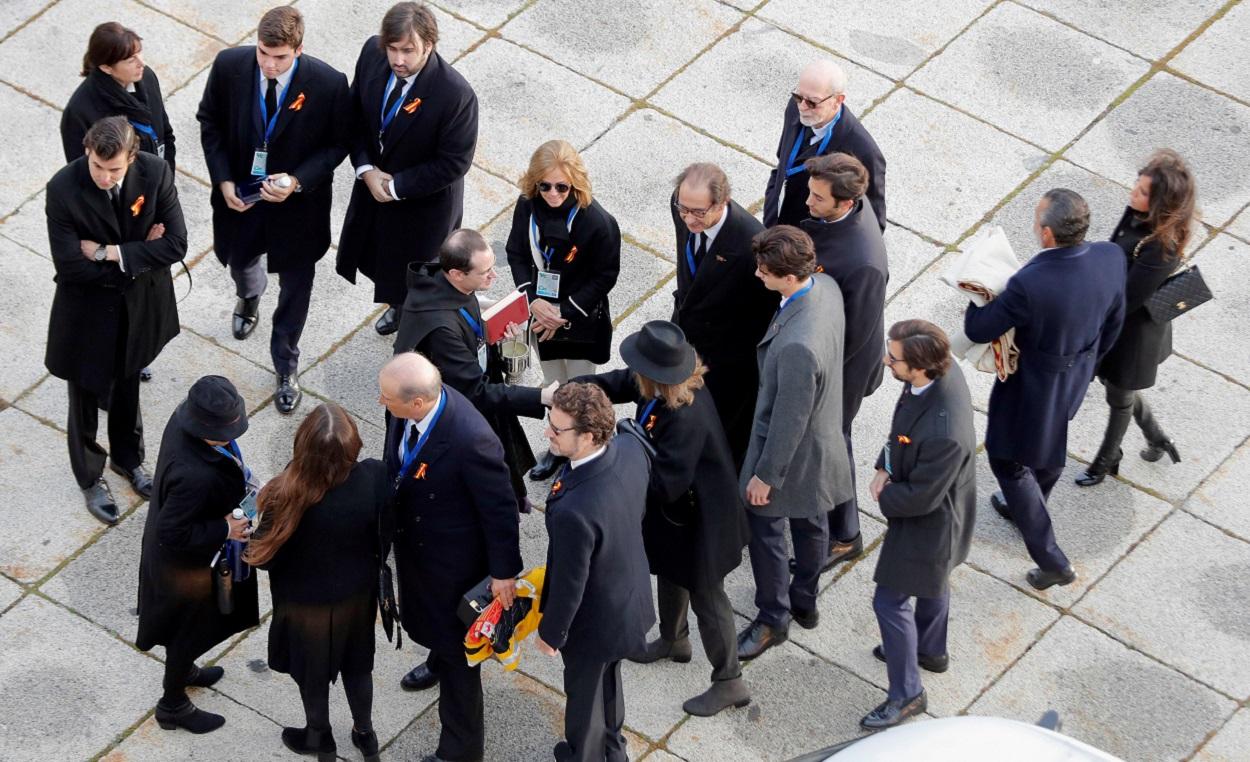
[
  {"x": 775, "y": 591},
  {"x": 844, "y": 518},
  {"x": 179, "y": 664},
  {"x": 125, "y": 429},
  {"x": 1126, "y": 405},
  {"x": 460, "y": 708},
  {"x": 357, "y": 686},
  {"x": 294, "y": 296},
  {"x": 595, "y": 710},
  {"x": 1027, "y": 490},
  {"x": 716, "y": 623}
]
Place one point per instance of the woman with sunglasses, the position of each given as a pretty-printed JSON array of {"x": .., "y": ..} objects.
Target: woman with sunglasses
[
  {"x": 1153, "y": 233},
  {"x": 695, "y": 526},
  {"x": 565, "y": 251}
]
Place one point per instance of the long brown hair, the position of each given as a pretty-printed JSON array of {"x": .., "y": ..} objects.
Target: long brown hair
[
  {"x": 326, "y": 446},
  {"x": 674, "y": 395},
  {"x": 1170, "y": 212}
]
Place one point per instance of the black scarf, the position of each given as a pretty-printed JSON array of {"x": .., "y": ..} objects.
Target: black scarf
[
  {"x": 118, "y": 101},
  {"x": 553, "y": 231}
]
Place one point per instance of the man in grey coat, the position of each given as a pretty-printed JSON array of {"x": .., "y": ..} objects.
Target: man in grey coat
[
  {"x": 926, "y": 485},
  {"x": 796, "y": 465}
]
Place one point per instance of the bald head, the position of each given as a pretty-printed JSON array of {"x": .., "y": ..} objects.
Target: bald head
[
  {"x": 824, "y": 76},
  {"x": 409, "y": 385},
  {"x": 821, "y": 90}
]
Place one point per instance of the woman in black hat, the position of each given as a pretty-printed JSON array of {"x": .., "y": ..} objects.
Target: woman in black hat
[
  {"x": 695, "y": 526},
  {"x": 319, "y": 539},
  {"x": 200, "y": 479}
]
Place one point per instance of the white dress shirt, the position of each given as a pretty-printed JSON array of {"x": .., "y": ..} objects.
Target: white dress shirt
[{"x": 583, "y": 461}]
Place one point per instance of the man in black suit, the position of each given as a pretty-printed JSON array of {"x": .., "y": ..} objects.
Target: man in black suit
[
  {"x": 456, "y": 522},
  {"x": 817, "y": 122},
  {"x": 273, "y": 129},
  {"x": 114, "y": 228},
  {"x": 596, "y": 599},
  {"x": 415, "y": 130},
  {"x": 850, "y": 249},
  {"x": 719, "y": 303}
]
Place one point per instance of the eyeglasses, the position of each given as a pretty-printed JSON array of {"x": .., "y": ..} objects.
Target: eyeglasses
[
  {"x": 558, "y": 187},
  {"x": 890, "y": 359},
  {"x": 698, "y": 214},
  {"x": 800, "y": 100},
  {"x": 556, "y": 428}
]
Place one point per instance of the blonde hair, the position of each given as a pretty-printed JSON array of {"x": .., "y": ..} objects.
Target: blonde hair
[
  {"x": 557, "y": 154},
  {"x": 674, "y": 395}
]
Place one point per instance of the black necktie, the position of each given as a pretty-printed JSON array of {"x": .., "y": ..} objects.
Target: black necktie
[
  {"x": 702, "y": 250},
  {"x": 271, "y": 99},
  {"x": 115, "y": 195},
  {"x": 396, "y": 91},
  {"x": 413, "y": 436}
]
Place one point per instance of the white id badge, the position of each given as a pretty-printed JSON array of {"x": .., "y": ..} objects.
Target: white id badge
[
  {"x": 548, "y": 284},
  {"x": 481, "y": 355},
  {"x": 259, "y": 160},
  {"x": 160, "y": 150}
]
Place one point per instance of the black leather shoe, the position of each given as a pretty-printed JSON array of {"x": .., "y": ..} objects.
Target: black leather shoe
[
  {"x": 245, "y": 316},
  {"x": 100, "y": 502},
  {"x": 288, "y": 394},
  {"x": 547, "y": 466},
  {"x": 1041, "y": 579},
  {"x": 1155, "y": 450},
  {"x": 891, "y": 713},
  {"x": 677, "y": 650},
  {"x": 145, "y": 374},
  {"x": 205, "y": 677},
  {"x": 758, "y": 638},
  {"x": 999, "y": 504},
  {"x": 419, "y": 678},
  {"x": 928, "y": 663},
  {"x": 1098, "y": 470},
  {"x": 388, "y": 323},
  {"x": 140, "y": 479},
  {"x": 309, "y": 741},
  {"x": 367, "y": 742},
  {"x": 188, "y": 717},
  {"x": 806, "y": 619}
]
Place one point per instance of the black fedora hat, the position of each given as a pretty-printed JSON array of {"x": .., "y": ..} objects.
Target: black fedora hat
[
  {"x": 213, "y": 410},
  {"x": 659, "y": 352}
]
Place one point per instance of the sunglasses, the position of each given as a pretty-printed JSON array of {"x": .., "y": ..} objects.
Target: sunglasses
[
  {"x": 557, "y": 187},
  {"x": 800, "y": 100}
]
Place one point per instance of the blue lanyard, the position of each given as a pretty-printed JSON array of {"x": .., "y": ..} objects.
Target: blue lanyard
[
  {"x": 410, "y": 456},
  {"x": 386, "y": 118},
  {"x": 646, "y": 411},
  {"x": 791, "y": 169},
  {"x": 797, "y": 295},
  {"x": 235, "y": 454},
  {"x": 549, "y": 252},
  {"x": 476, "y": 326},
  {"x": 146, "y": 129},
  {"x": 690, "y": 255},
  {"x": 271, "y": 121}
]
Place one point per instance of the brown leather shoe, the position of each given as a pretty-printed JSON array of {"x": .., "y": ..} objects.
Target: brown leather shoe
[
  {"x": 844, "y": 551},
  {"x": 758, "y": 638},
  {"x": 677, "y": 650}
]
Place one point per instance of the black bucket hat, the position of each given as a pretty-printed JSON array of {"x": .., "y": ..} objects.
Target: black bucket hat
[
  {"x": 213, "y": 410},
  {"x": 659, "y": 352}
]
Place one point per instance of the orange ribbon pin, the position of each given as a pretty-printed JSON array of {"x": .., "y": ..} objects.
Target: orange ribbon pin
[
  {"x": 904, "y": 439},
  {"x": 820, "y": 268},
  {"x": 136, "y": 206},
  {"x": 420, "y": 474},
  {"x": 413, "y": 106},
  {"x": 650, "y": 422},
  {"x": 298, "y": 104},
  {"x": 555, "y": 488},
  {"x": 572, "y": 253}
]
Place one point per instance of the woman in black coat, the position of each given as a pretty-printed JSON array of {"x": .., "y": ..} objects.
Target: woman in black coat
[
  {"x": 1153, "y": 233},
  {"x": 200, "y": 479},
  {"x": 320, "y": 540},
  {"x": 695, "y": 526},
  {"x": 116, "y": 83}
]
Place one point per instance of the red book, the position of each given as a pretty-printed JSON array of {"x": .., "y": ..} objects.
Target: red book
[{"x": 513, "y": 308}]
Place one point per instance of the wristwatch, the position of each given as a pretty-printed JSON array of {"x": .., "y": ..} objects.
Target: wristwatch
[{"x": 101, "y": 253}]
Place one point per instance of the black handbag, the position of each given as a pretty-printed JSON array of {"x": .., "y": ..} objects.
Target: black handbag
[
  {"x": 1180, "y": 293},
  {"x": 387, "y": 604},
  {"x": 588, "y": 331}
]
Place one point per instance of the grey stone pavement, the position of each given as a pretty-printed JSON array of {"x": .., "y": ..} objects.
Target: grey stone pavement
[{"x": 978, "y": 105}]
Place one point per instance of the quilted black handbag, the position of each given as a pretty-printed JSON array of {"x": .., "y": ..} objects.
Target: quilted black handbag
[{"x": 1180, "y": 293}]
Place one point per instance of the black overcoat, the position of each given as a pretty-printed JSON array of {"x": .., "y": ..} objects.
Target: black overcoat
[
  {"x": 456, "y": 521},
  {"x": 596, "y": 599},
  {"x": 852, "y": 252},
  {"x": 930, "y": 502},
  {"x": 724, "y": 311},
  {"x": 428, "y": 148},
  {"x": 193, "y": 489},
  {"x": 696, "y": 524},
  {"x": 310, "y": 138},
  {"x": 97, "y": 304},
  {"x": 99, "y": 96},
  {"x": 849, "y": 136},
  {"x": 585, "y": 280},
  {"x": 1133, "y": 361},
  {"x": 432, "y": 325},
  {"x": 1066, "y": 305}
]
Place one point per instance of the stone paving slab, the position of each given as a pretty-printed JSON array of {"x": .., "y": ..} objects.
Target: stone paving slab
[
  {"x": 1219, "y": 53},
  {"x": 336, "y": 30},
  {"x": 1095, "y": 527},
  {"x": 1149, "y": 29},
  {"x": 946, "y": 169},
  {"x": 181, "y": 106},
  {"x": 31, "y": 125},
  {"x": 632, "y": 45},
  {"x": 246, "y": 729},
  {"x": 887, "y": 37},
  {"x": 908, "y": 255},
  {"x": 1230, "y": 744},
  {"x": 228, "y": 22},
  {"x": 1170, "y": 112},
  {"x": 18, "y": 12},
  {"x": 102, "y": 686},
  {"x": 1224, "y": 262},
  {"x": 1107, "y": 695},
  {"x": 991, "y": 625},
  {"x": 634, "y": 164},
  {"x": 10, "y": 591},
  {"x": 1221, "y": 499},
  {"x": 738, "y": 90},
  {"x": 1202, "y": 591},
  {"x": 352, "y": 378},
  {"x": 25, "y": 304},
  {"x": 1045, "y": 94},
  {"x": 28, "y": 224},
  {"x": 487, "y": 14},
  {"x": 1241, "y": 225}
]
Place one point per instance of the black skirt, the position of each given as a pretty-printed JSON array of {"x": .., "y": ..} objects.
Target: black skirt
[{"x": 316, "y": 641}]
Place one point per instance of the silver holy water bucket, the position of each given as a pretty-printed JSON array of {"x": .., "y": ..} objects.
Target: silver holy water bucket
[{"x": 516, "y": 359}]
